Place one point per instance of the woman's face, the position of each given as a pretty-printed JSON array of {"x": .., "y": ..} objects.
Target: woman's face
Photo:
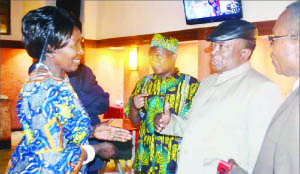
[{"x": 67, "y": 59}]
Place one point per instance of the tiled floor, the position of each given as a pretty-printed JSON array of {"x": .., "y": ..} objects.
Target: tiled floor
[{"x": 16, "y": 137}]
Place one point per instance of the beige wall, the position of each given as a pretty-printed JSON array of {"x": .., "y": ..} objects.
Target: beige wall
[
  {"x": 204, "y": 66},
  {"x": 109, "y": 19},
  {"x": 129, "y": 18},
  {"x": 92, "y": 18},
  {"x": 187, "y": 58}
]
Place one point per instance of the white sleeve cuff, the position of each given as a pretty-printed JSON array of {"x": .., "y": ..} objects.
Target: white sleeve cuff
[{"x": 90, "y": 152}]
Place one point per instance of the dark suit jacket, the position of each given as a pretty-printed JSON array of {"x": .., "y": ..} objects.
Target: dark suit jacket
[{"x": 92, "y": 96}]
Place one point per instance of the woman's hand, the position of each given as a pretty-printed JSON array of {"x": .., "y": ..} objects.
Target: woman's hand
[{"x": 106, "y": 132}]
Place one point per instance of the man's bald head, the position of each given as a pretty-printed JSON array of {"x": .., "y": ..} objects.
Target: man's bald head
[{"x": 292, "y": 12}]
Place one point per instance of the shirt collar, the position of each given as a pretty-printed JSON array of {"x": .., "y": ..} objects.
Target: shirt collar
[
  {"x": 234, "y": 72},
  {"x": 176, "y": 75}
]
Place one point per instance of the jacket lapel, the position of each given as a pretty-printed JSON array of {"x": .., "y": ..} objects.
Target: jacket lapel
[{"x": 285, "y": 104}]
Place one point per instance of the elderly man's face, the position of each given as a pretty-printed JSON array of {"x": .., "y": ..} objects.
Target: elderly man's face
[
  {"x": 162, "y": 61},
  {"x": 285, "y": 51},
  {"x": 226, "y": 55}
]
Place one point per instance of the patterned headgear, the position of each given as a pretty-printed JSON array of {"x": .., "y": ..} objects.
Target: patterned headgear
[{"x": 165, "y": 42}]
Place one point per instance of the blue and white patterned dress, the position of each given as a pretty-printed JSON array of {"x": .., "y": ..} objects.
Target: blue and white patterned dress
[{"x": 55, "y": 124}]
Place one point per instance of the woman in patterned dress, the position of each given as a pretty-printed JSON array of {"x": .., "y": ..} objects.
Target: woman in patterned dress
[{"x": 55, "y": 124}]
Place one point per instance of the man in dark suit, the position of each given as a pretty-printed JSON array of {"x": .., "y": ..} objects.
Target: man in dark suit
[
  {"x": 96, "y": 102},
  {"x": 279, "y": 153}
]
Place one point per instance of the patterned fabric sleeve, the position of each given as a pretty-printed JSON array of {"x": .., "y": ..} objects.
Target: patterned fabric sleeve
[
  {"x": 136, "y": 91},
  {"x": 54, "y": 126},
  {"x": 192, "y": 89}
]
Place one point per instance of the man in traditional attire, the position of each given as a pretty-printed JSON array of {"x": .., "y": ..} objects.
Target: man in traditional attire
[{"x": 158, "y": 153}]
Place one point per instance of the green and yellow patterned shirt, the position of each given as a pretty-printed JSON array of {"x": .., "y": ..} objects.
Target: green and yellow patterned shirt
[{"x": 157, "y": 153}]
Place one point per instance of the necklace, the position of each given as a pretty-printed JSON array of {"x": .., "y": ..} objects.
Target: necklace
[{"x": 43, "y": 70}]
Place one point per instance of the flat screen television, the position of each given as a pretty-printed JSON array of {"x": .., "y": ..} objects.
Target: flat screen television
[{"x": 198, "y": 12}]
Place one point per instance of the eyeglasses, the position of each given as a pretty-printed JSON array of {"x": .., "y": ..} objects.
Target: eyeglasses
[{"x": 273, "y": 38}]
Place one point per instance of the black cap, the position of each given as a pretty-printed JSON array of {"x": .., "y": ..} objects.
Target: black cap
[{"x": 233, "y": 29}]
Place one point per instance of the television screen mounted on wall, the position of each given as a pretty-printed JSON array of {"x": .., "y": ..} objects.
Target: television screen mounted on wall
[{"x": 199, "y": 12}]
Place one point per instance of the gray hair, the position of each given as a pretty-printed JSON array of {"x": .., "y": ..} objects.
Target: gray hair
[{"x": 293, "y": 10}]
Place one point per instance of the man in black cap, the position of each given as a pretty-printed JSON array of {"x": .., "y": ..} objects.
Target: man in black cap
[{"x": 232, "y": 108}]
